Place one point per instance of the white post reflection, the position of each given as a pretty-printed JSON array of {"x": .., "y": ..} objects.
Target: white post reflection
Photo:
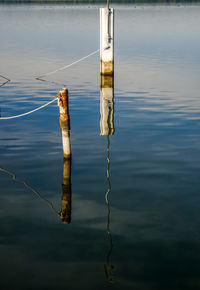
[
  {"x": 107, "y": 105},
  {"x": 107, "y": 128},
  {"x": 108, "y": 266}
]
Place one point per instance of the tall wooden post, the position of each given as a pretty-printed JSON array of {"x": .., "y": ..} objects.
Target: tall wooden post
[
  {"x": 65, "y": 122},
  {"x": 107, "y": 41},
  {"x": 65, "y": 213},
  {"x": 107, "y": 105}
]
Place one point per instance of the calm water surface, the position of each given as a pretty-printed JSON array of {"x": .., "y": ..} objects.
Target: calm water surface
[{"x": 149, "y": 237}]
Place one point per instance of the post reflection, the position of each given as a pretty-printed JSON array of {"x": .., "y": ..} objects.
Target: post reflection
[
  {"x": 65, "y": 213},
  {"x": 107, "y": 128},
  {"x": 107, "y": 105},
  {"x": 108, "y": 266}
]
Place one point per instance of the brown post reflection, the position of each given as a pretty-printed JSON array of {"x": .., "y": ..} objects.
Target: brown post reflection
[
  {"x": 65, "y": 213},
  {"x": 107, "y": 105}
]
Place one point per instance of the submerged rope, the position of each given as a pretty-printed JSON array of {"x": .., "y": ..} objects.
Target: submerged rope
[{"x": 30, "y": 112}]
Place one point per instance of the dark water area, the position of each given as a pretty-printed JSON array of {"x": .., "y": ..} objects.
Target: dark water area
[{"x": 135, "y": 195}]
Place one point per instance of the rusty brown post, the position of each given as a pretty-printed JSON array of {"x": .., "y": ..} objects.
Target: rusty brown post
[{"x": 65, "y": 122}]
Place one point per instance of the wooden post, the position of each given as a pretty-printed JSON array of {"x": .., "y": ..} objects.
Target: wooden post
[
  {"x": 65, "y": 213},
  {"x": 107, "y": 105},
  {"x": 107, "y": 41},
  {"x": 65, "y": 122}
]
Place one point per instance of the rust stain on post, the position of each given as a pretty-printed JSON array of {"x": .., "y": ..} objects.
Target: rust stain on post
[
  {"x": 107, "y": 68},
  {"x": 63, "y": 104},
  {"x": 107, "y": 82},
  {"x": 65, "y": 121}
]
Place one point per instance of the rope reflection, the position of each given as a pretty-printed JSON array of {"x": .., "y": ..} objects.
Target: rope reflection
[
  {"x": 65, "y": 213},
  {"x": 14, "y": 177},
  {"x": 108, "y": 266}
]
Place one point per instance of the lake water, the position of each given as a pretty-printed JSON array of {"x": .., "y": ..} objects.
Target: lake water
[{"x": 139, "y": 228}]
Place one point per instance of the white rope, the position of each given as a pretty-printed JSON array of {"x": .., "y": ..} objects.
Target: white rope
[
  {"x": 40, "y": 78},
  {"x": 30, "y": 112},
  {"x": 64, "y": 67}
]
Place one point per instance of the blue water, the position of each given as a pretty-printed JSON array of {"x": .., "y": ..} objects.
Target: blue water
[{"x": 148, "y": 238}]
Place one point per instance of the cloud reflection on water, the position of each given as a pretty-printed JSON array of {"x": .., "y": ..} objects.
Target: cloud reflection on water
[{"x": 155, "y": 150}]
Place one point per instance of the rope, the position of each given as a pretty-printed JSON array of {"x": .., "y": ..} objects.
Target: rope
[
  {"x": 30, "y": 112},
  {"x": 40, "y": 78},
  {"x": 51, "y": 82},
  {"x": 64, "y": 67},
  {"x": 5, "y": 78}
]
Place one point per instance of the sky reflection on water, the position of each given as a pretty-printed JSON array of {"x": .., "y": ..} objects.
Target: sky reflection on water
[{"x": 154, "y": 153}]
